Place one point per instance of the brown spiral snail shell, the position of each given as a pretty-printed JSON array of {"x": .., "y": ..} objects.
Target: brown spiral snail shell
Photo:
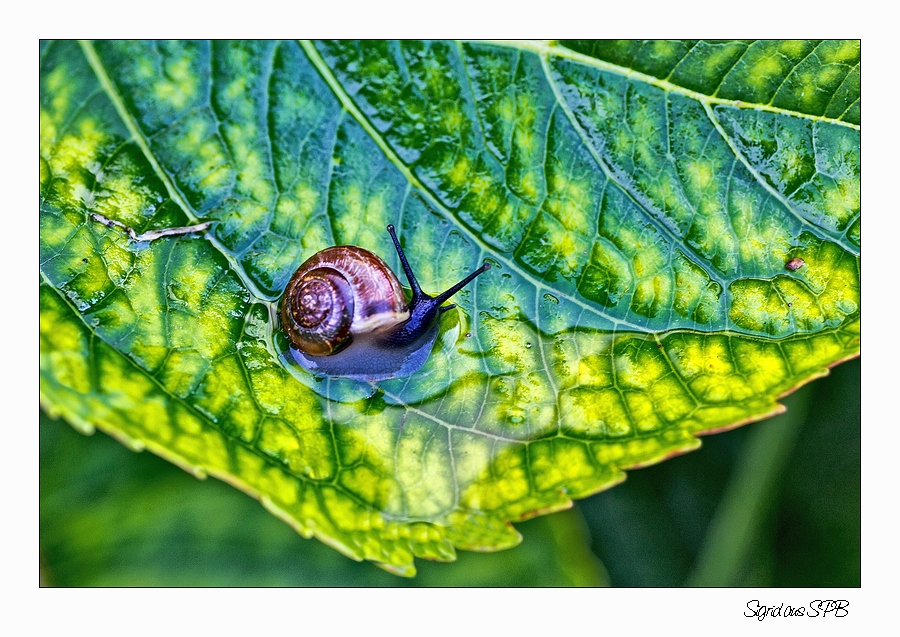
[{"x": 346, "y": 314}]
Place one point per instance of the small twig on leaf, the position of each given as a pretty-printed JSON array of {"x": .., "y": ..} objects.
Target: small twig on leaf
[{"x": 150, "y": 235}]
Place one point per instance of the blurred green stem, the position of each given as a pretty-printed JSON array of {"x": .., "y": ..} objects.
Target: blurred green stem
[{"x": 747, "y": 498}]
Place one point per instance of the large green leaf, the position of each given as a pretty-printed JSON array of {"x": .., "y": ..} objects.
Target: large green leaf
[{"x": 639, "y": 201}]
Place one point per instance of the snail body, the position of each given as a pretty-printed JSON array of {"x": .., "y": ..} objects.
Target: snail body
[{"x": 346, "y": 314}]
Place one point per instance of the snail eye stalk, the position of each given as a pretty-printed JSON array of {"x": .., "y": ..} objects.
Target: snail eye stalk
[
  {"x": 414, "y": 284},
  {"x": 443, "y": 296}
]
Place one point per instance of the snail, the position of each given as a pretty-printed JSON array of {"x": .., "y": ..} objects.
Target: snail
[{"x": 346, "y": 314}]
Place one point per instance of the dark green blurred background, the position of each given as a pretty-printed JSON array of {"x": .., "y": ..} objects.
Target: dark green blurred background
[{"x": 775, "y": 503}]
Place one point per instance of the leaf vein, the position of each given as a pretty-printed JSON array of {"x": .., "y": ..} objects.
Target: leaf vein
[
  {"x": 816, "y": 230},
  {"x": 348, "y": 103},
  {"x": 659, "y": 224}
]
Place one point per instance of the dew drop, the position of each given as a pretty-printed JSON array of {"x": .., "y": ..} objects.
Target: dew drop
[
  {"x": 527, "y": 345},
  {"x": 468, "y": 334}
]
